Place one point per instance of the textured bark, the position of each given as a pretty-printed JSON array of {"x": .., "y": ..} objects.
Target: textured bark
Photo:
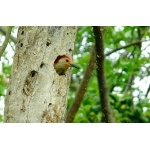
[{"x": 36, "y": 93}]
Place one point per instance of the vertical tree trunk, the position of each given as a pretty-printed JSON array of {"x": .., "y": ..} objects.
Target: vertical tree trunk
[{"x": 36, "y": 93}]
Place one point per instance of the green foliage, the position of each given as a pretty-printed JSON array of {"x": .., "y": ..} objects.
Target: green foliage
[
  {"x": 1, "y": 118},
  {"x": 123, "y": 68}
]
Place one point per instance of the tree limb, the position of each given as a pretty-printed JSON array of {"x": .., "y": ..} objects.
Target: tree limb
[
  {"x": 103, "y": 90},
  {"x": 126, "y": 46},
  {"x": 147, "y": 91},
  {"x": 3, "y": 47},
  {"x": 82, "y": 89},
  {"x": 4, "y": 31}
]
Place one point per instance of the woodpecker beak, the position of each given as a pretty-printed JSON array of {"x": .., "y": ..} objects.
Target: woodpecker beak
[{"x": 73, "y": 65}]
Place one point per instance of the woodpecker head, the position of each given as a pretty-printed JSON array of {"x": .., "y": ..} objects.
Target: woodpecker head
[{"x": 62, "y": 63}]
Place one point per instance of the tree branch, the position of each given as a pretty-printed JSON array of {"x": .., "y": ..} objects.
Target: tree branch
[
  {"x": 147, "y": 91},
  {"x": 3, "y": 47},
  {"x": 129, "y": 84},
  {"x": 126, "y": 46},
  {"x": 82, "y": 89},
  {"x": 4, "y": 31},
  {"x": 103, "y": 90}
]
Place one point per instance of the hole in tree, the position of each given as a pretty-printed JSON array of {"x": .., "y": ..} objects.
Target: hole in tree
[
  {"x": 9, "y": 92},
  {"x": 49, "y": 104},
  {"x": 21, "y": 44},
  {"x": 22, "y": 32},
  {"x": 48, "y": 43},
  {"x": 70, "y": 50},
  {"x": 33, "y": 73},
  {"x": 42, "y": 64}
]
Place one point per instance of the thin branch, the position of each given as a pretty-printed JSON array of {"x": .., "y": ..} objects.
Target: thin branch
[
  {"x": 82, "y": 89},
  {"x": 145, "y": 47},
  {"x": 147, "y": 91},
  {"x": 103, "y": 90},
  {"x": 4, "y": 31},
  {"x": 12, "y": 46},
  {"x": 126, "y": 46},
  {"x": 3, "y": 47},
  {"x": 129, "y": 84}
]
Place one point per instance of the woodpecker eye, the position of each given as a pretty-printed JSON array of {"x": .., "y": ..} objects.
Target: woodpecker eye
[{"x": 67, "y": 60}]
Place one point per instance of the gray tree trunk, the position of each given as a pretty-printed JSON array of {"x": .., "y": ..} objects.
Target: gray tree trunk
[{"x": 36, "y": 93}]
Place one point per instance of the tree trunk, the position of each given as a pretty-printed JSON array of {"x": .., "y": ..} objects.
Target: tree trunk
[{"x": 36, "y": 93}]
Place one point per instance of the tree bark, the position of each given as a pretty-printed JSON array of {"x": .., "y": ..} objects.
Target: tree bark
[
  {"x": 36, "y": 93},
  {"x": 103, "y": 90}
]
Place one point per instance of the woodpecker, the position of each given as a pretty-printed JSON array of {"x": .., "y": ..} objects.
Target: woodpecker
[{"x": 62, "y": 63}]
